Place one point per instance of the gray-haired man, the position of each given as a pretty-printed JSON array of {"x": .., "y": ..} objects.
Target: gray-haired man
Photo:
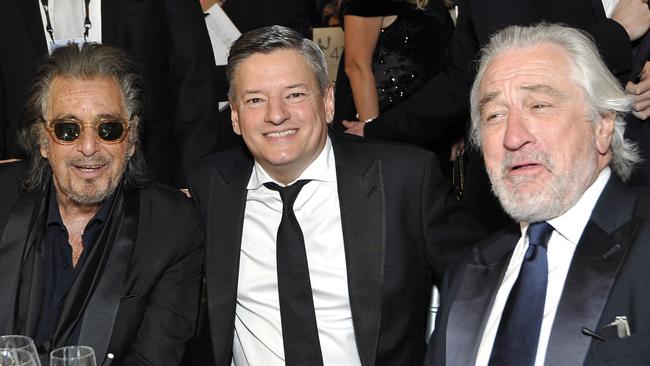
[
  {"x": 92, "y": 253},
  {"x": 340, "y": 275},
  {"x": 568, "y": 285}
]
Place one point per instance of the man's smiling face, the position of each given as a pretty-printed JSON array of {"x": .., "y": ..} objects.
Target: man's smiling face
[{"x": 280, "y": 112}]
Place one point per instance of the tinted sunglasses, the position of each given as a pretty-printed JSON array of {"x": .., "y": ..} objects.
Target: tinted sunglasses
[{"x": 110, "y": 130}]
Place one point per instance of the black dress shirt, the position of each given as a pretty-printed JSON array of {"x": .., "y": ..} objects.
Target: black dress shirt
[{"x": 59, "y": 270}]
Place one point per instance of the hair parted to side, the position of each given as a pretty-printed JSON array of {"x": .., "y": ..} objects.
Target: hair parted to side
[
  {"x": 85, "y": 62},
  {"x": 273, "y": 38},
  {"x": 602, "y": 90}
]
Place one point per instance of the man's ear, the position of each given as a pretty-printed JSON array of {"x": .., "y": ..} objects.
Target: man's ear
[
  {"x": 44, "y": 144},
  {"x": 234, "y": 117},
  {"x": 604, "y": 131},
  {"x": 329, "y": 103},
  {"x": 43, "y": 151}
]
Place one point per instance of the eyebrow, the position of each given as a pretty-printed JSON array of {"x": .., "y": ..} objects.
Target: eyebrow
[
  {"x": 298, "y": 85},
  {"x": 542, "y": 88},
  {"x": 288, "y": 87},
  {"x": 487, "y": 98},
  {"x": 535, "y": 88},
  {"x": 99, "y": 116}
]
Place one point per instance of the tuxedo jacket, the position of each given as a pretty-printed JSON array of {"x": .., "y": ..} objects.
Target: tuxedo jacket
[
  {"x": 139, "y": 302},
  {"x": 401, "y": 227},
  {"x": 168, "y": 40},
  {"x": 608, "y": 277}
]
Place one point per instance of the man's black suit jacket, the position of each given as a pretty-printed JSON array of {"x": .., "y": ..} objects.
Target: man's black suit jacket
[
  {"x": 143, "y": 307},
  {"x": 168, "y": 39},
  {"x": 401, "y": 227},
  {"x": 608, "y": 277}
]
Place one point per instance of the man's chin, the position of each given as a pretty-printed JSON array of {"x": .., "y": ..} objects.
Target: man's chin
[{"x": 89, "y": 194}]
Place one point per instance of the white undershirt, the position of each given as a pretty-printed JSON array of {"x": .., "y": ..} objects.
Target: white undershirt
[
  {"x": 258, "y": 328},
  {"x": 567, "y": 231},
  {"x": 67, "y": 20}
]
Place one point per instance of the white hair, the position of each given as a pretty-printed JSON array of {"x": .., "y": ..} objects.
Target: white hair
[{"x": 602, "y": 90}]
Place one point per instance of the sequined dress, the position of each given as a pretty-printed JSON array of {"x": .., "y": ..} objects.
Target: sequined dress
[{"x": 407, "y": 52}]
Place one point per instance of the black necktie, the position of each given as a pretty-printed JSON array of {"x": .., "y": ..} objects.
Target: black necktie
[
  {"x": 518, "y": 334},
  {"x": 299, "y": 330}
]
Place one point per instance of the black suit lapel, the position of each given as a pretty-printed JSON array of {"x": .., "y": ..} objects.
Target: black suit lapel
[
  {"x": 474, "y": 298},
  {"x": 225, "y": 217},
  {"x": 595, "y": 265},
  {"x": 100, "y": 314},
  {"x": 361, "y": 198},
  {"x": 34, "y": 24},
  {"x": 12, "y": 251}
]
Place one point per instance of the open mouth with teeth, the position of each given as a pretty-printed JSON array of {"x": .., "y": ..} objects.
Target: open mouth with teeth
[
  {"x": 279, "y": 134},
  {"x": 89, "y": 167}
]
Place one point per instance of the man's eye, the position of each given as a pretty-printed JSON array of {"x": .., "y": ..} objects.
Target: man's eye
[
  {"x": 296, "y": 95},
  {"x": 253, "y": 100},
  {"x": 540, "y": 106},
  {"x": 493, "y": 116}
]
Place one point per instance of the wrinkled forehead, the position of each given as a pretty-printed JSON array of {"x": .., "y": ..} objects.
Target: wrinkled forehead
[
  {"x": 545, "y": 64},
  {"x": 70, "y": 93},
  {"x": 285, "y": 62}
]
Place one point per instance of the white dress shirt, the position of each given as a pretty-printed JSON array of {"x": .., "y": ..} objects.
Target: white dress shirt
[
  {"x": 609, "y": 6},
  {"x": 567, "y": 231},
  {"x": 67, "y": 20},
  {"x": 258, "y": 328}
]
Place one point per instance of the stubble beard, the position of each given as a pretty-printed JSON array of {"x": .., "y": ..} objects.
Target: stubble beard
[
  {"x": 550, "y": 199},
  {"x": 90, "y": 193}
]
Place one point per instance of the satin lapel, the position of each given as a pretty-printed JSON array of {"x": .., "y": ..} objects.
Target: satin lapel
[
  {"x": 362, "y": 202},
  {"x": 473, "y": 300},
  {"x": 110, "y": 16},
  {"x": 595, "y": 265},
  {"x": 593, "y": 270},
  {"x": 99, "y": 316},
  {"x": 12, "y": 246},
  {"x": 225, "y": 219},
  {"x": 34, "y": 24}
]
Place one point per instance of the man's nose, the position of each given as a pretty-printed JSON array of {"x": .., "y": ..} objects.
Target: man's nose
[
  {"x": 276, "y": 112},
  {"x": 518, "y": 131},
  {"x": 88, "y": 143}
]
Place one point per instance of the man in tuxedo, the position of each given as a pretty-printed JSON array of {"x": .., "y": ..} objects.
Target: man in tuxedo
[
  {"x": 344, "y": 275},
  {"x": 167, "y": 39},
  {"x": 91, "y": 252},
  {"x": 567, "y": 285}
]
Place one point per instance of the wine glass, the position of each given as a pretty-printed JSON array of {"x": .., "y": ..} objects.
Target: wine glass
[
  {"x": 20, "y": 342},
  {"x": 73, "y": 356},
  {"x": 16, "y": 357}
]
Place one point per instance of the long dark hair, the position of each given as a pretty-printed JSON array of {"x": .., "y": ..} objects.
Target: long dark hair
[{"x": 86, "y": 62}]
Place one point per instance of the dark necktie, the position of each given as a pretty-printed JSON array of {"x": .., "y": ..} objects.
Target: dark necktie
[
  {"x": 518, "y": 334},
  {"x": 299, "y": 330}
]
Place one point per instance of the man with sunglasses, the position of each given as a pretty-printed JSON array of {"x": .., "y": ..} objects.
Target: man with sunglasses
[{"x": 91, "y": 252}]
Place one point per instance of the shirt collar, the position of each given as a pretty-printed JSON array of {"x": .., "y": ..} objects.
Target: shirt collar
[
  {"x": 322, "y": 169},
  {"x": 572, "y": 223}
]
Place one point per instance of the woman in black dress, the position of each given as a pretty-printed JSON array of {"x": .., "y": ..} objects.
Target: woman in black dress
[{"x": 391, "y": 48}]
